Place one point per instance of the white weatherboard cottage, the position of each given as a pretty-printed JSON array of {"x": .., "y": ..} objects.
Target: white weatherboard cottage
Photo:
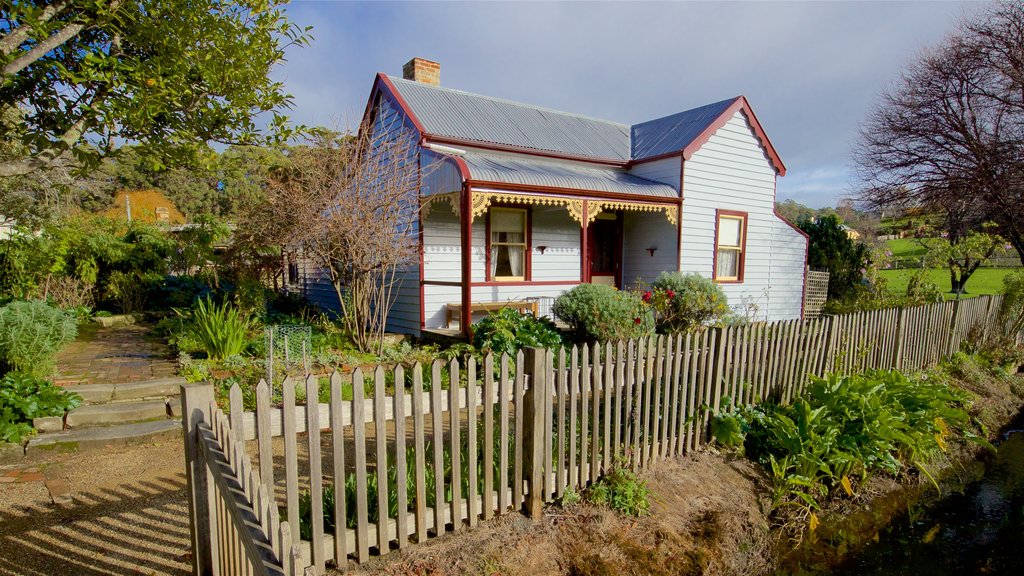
[{"x": 525, "y": 203}]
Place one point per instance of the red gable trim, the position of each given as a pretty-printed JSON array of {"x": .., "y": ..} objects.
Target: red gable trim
[
  {"x": 382, "y": 79},
  {"x": 740, "y": 104}
]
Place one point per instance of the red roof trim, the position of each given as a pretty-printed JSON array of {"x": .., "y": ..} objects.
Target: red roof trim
[
  {"x": 382, "y": 79},
  {"x": 740, "y": 104},
  {"x": 576, "y": 192}
]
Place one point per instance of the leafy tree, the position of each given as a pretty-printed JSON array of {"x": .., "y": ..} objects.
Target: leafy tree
[
  {"x": 833, "y": 250},
  {"x": 962, "y": 255},
  {"x": 168, "y": 74}
]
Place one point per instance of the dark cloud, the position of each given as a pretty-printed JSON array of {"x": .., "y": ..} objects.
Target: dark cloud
[{"x": 810, "y": 70}]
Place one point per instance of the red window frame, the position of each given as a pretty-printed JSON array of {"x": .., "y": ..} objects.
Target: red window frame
[
  {"x": 744, "y": 217},
  {"x": 528, "y": 258}
]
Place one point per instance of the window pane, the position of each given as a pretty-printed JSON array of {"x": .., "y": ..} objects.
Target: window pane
[
  {"x": 728, "y": 264},
  {"x": 729, "y": 231},
  {"x": 508, "y": 221}
]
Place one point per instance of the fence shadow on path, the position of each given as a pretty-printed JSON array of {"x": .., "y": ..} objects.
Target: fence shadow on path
[{"x": 140, "y": 527}]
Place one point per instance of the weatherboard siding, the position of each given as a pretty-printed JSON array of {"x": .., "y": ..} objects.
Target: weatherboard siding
[
  {"x": 731, "y": 172},
  {"x": 665, "y": 171},
  {"x": 641, "y": 231}
]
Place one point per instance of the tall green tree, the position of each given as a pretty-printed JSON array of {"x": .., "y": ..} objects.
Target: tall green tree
[
  {"x": 832, "y": 249},
  {"x": 168, "y": 74}
]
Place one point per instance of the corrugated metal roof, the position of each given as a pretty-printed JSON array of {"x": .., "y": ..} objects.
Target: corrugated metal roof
[
  {"x": 457, "y": 114},
  {"x": 673, "y": 133},
  {"x": 562, "y": 175}
]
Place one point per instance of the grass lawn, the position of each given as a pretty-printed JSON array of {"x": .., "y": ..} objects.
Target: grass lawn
[
  {"x": 984, "y": 281},
  {"x": 906, "y": 248}
]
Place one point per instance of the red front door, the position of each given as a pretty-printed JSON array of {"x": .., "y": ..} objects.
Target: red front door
[{"x": 604, "y": 249}]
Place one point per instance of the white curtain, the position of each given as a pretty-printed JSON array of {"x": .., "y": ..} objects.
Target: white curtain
[
  {"x": 515, "y": 254},
  {"x": 728, "y": 264}
]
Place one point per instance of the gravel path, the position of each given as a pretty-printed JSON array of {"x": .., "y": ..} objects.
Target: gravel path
[{"x": 117, "y": 511}]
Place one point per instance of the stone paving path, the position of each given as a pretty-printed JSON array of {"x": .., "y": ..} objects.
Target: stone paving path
[{"x": 114, "y": 356}]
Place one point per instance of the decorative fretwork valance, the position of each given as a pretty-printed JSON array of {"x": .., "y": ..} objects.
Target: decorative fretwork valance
[
  {"x": 595, "y": 207},
  {"x": 483, "y": 199}
]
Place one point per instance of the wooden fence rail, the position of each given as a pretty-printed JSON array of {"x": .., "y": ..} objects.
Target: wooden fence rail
[{"x": 404, "y": 454}]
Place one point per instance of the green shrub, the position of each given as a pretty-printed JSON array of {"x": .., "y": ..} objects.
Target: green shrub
[
  {"x": 508, "y": 330},
  {"x": 844, "y": 429},
  {"x": 1012, "y": 311},
  {"x": 221, "y": 329},
  {"x": 31, "y": 334},
  {"x": 622, "y": 491},
  {"x": 23, "y": 398},
  {"x": 601, "y": 313},
  {"x": 832, "y": 249},
  {"x": 684, "y": 302}
]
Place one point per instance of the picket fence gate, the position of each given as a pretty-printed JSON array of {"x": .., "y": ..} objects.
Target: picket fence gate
[{"x": 445, "y": 447}]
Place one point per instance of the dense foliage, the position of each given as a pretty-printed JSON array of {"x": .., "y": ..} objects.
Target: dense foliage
[
  {"x": 603, "y": 314},
  {"x": 153, "y": 72},
  {"x": 221, "y": 329},
  {"x": 24, "y": 398},
  {"x": 843, "y": 430},
  {"x": 684, "y": 302},
  {"x": 31, "y": 334},
  {"x": 508, "y": 330},
  {"x": 832, "y": 249}
]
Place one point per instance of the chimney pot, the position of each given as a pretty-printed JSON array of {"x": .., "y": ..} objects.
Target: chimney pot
[{"x": 422, "y": 70}]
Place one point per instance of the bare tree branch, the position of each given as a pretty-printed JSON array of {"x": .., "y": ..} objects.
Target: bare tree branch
[{"x": 14, "y": 38}]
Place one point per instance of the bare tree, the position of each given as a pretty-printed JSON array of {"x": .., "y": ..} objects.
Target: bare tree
[
  {"x": 350, "y": 203},
  {"x": 949, "y": 136}
]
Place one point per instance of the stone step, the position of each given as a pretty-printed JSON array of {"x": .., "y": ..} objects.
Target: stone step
[
  {"x": 97, "y": 438},
  {"x": 102, "y": 393},
  {"x": 116, "y": 413}
]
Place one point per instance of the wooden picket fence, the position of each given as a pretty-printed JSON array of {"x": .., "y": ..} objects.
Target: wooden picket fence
[{"x": 441, "y": 448}]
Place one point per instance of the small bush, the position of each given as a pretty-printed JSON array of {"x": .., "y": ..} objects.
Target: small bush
[
  {"x": 622, "y": 491},
  {"x": 508, "y": 330},
  {"x": 1012, "y": 312},
  {"x": 23, "y": 398},
  {"x": 31, "y": 334},
  {"x": 684, "y": 302},
  {"x": 602, "y": 313},
  {"x": 221, "y": 328}
]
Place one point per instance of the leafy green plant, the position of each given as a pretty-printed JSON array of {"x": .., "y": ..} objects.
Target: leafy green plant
[
  {"x": 23, "y": 398},
  {"x": 601, "y": 313},
  {"x": 684, "y": 302},
  {"x": 508, "y": 330},
  {"x": 622, "y": 491},
  {"x": 221, "y": 329},
  {"x": 844, "y": 429},
  {"x": 31, "y": 334}
]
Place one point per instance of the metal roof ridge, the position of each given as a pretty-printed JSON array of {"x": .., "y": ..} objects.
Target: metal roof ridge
[
  {"x": 513, "y": 102},
  {"x": 730, "y": 100}
]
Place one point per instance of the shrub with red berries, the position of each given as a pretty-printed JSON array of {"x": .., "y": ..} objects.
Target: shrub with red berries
[{"x": 683, "y": 302}]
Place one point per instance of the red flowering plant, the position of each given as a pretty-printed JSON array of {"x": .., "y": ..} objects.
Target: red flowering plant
[{"x": 683, "y": 302}]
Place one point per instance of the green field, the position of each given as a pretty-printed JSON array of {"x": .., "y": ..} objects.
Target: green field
[
  {"x": 906, "y": 248},
  {"x": 984, "y": 281}
]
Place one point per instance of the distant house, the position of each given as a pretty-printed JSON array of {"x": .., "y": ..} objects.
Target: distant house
[
  {"x": 149, "y": 206},
  {"x": 527, "y": 203}
]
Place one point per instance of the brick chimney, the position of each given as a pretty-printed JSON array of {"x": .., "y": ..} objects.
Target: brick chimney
[{"x": 420, "y": 70}]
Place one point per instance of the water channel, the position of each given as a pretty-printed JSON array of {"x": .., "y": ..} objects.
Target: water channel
[{"x": 977, "y": 531}]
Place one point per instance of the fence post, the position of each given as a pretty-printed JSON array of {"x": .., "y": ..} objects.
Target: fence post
[
  {"x": 953, "y": 345},
  {"x": 196, "y": 402},
  {"x": 900, "y": 323},
  {"x": 533, "y": 429}
]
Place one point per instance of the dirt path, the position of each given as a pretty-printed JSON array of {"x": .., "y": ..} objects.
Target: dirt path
[{"x": 119, "y": 511}]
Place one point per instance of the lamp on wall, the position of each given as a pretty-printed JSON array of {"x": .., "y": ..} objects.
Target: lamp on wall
[
  {"x": 651, "y": 250},
  {"x": 541, "y": 249}
]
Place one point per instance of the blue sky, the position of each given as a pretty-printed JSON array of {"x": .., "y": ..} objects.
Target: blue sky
[{"x": 811, "y": 71}]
